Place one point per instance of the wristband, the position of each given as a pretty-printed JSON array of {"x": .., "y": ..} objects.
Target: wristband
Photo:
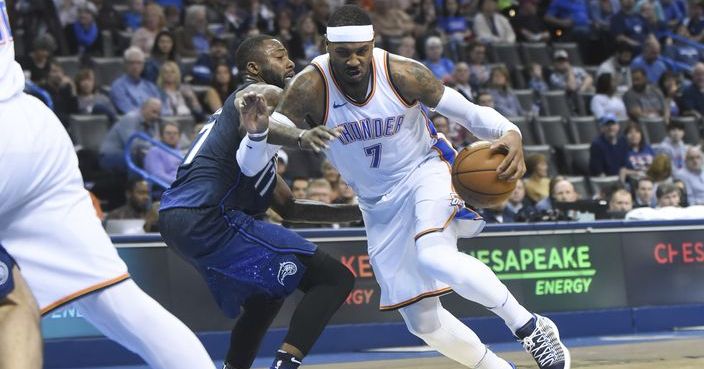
[
  {"x": 258, "y": 136},
  {"x": 300, "y": 136}
]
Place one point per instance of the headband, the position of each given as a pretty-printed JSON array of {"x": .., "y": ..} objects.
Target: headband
[{"x": 350, "y": 33}]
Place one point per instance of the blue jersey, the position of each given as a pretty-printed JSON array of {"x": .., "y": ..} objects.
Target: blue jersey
[{"x": 209, "y": 175}]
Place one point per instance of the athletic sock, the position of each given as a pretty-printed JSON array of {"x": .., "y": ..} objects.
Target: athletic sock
[
  {"x": 284, "y": 360},
  {"x": 513, "y": 313},
  {"x": 526, "y": 329}
]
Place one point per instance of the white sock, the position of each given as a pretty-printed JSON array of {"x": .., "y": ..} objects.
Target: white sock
[{"x": 513, "y": 313}]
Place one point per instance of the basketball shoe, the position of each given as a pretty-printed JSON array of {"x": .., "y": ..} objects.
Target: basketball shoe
[{"x": 541, "y": 339}]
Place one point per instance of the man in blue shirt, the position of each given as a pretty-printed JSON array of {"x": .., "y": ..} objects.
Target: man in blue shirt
[
  {"x": 608, "y": 152},
  {"x": 441, "y": 67},
  {"x": 650, "y": 60},
  {"x": 629, "y": 26},
  {"x": 571, "y": 16},
  {"x": 693, "y": 95},
  {"x": 130, "y": 90}
]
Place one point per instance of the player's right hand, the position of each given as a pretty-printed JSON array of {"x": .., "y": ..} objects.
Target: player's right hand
[
  {"x": 317, "y": 138},
  {"x": 254, "y": 115}
]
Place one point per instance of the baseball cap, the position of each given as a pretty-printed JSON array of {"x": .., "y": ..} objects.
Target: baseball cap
[
  {"x": 607, "y": 119},
  {"x": 560, "y": 54}
]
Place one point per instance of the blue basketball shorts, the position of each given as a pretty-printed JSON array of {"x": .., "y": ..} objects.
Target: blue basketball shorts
[{"x": 7, "y": 284}]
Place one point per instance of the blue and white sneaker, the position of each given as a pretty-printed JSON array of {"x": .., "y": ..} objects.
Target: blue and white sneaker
[{"x": 541, "y": 339}]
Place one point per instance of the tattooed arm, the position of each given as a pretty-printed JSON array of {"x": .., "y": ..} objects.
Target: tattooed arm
[{"x": 416, "y": 83}]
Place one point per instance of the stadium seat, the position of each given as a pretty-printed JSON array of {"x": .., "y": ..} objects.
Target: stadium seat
[
  {"x": 555, "y": 103},
  {"x": 187, "y": 65},
  {"x": 88, "y": 131},
  {"x": 107, "y": 70},
  {"x": 524, "y": 124},
  {"x": 546, "y": 151},
  {"x": 70, "y": 64},
  {"x": 600, "y": 183},
  {"x": 552, "y": 131},
  {"x": 583, "y": 129},
  {"x": 584, "y": 101},
  {"x": 576, "y": 157},
  {"x": 572, "y": 51},
  {"x": 525, "y": 97},
  {"x": 580, "y": 185},
  {"x": 108, "y": 45},
  {"x": 692, "y": 129},
  {"x": 536, "y": 53},
  {"x": 654, "y": 129},
  {"x": 518, "y": 79},
  {"x": 505, "y": 53}
]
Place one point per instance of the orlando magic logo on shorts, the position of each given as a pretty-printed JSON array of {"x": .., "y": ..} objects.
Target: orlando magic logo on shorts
[
  {"x": 286, "y": 269},
  {"x": 6, "y": 264}
]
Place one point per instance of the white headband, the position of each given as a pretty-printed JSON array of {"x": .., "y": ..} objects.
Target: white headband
[{"x": 350, "y": 33}]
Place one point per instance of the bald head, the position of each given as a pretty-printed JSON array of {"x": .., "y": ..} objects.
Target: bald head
[
  {"x": 651, "y": 49},
  {"x": 151, "y": 110},
  {"x": 694, "y": 159}
]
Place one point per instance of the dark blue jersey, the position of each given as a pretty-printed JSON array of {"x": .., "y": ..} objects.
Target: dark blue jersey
[{"x": 209, "y": 175}]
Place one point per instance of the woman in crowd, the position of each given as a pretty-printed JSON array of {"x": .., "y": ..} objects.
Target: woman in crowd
[
  {"x": 163, "y": 50},
  {"x": 490, "y": 26},
  {"x": 306, "y": 43},
  {"x": 640, "y": 154},
  {"x": 180, "y": 98},
  {"x": 505, "y": 101},
  {"x": 606, "y": 101},
  {"x": 537, "y": 183},
  {"x": 669, "y": 85},
  {"x": 660, "y": 170},
  {"x": 83, "y": 36},
  {"x": 90, "y": 101},
  {"x": 223, "y": 85},
  {"x": 152, "y": 22}
]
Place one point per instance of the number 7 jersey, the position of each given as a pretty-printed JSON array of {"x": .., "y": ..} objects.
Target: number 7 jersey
[
  {"x": 382, "y": 138},
  {"x": 11, "y": 75}
]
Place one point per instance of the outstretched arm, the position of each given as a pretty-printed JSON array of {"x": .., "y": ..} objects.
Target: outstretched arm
[
  {"x": 296, "y": 210},
  {"x": 415, "y": 83}
]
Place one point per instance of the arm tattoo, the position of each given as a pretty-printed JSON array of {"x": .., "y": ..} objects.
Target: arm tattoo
[
  {"x": 304, "y": 112},
  {"x": 415, "y": 81}
]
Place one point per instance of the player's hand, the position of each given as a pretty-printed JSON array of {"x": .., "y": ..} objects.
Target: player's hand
[
  {"x": 513, "y": 167},
  {"x": 317, "y": 138},
  {"x": 254, "y": 115}
]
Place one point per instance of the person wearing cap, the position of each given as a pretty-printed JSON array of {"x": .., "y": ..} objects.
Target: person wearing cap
[
  {"x": 567, "y": 77},
  {"x": 608, "y": 152},
  {"x": 644, "y": 100},
  {"x": 83, "y": 36}
]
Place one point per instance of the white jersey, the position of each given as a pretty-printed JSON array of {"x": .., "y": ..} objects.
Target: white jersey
[
  {"x": 11, "y": 74},
  {"x": 383, "y": 138}
]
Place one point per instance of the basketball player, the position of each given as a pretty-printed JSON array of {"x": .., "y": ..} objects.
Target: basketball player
[
  {"x": 20, "y": 339},
  {"x": 389, "y": 153},
  {"x": 49, "y": 227},
  {"x": 212, "y": 213}
]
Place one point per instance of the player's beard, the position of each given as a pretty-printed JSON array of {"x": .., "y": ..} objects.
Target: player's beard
[{"x": 272, "y": 77}]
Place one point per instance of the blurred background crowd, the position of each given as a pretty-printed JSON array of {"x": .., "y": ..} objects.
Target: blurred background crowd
[{"x": 609, "y": 94}]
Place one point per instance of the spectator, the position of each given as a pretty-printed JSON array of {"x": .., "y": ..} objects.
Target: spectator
[
  {"x": 505, "y": 100},
  {"x": 566, "y": 77},
  {"x": 68, "y": 11},
  {"x": 644, "y": 100},
  {"x": 331, "y": 175},
  {"x": 629, "y": 26},
  {"x": 561, "y": 190},
  {"x": 640, "y": 155},
  {"x": 132, "y": 18},
  {"x": 306, "y": 43},
  {"x": 693, "y": 176},
  {"x": 537, "y": 183},
  {"x": 180, "y": 98},
  {"x": 203, "y": 69},
  {"x": 407, "y": 47},
  {"x": 490, "y": 26},
  {"x": 299, "y": 187},
  {"x": 319, "y": 190},
  {"x": 460, "y": 77},
  {"x": 528, "y": 25},
  {"x": 673, "y": 145},
  {"x": 138, "y": 202},
  {"x": 601, "y": 13},
  {"x": 440, "y": 66},
  {"x": 570, "y": 16},
  {"x": 670, "y": 87},
  {"x": 518, "y": 206},
  {"x": 281, "y": 162},
  {"x": 284, "y": 28},
  {"x": 651, "y": 61},
  {"x": 90, "y": 101},
  {"x": 38, "y": 62},
  {"x": 345, "y": 193},
  {"x": 130, "y": 91},
  {"x": 153, "y": 22},
  {"x": 321, "y": 14},
  {"x": 606, "y": 101},
  {"x": 159, "y": 162},
  {"x": 608, "y": 152},
  {"x": 651, "y": 11},
  {"x": 163, "y": 50},
  {"x": 620, "y": 203},
  {"x": 146, "y": 120},
  {"x": 390, "y": 21},
  {"x": 193, "y": 38},
  {"x": 619, "y": 66},
  {"x": 537, "y": 81},
  {"x": 693, "y": 95},
  {"x": 83, "y": 36},
  {"x": 426, "y": 20},
  {"x": 478, "y": 68},
  {"x": 668, "y": 195},
  {"x": 683, "y": 192},
  {"x": 456, "y": 27},
  {"x": 672, "y": 13},
  {"x": 223, "y": 85},
  {"x": 61, "y": 89},
  {"x": 645, "y": 193},
  {"x": 660, "y": 170},
  {"x": 684, "y": 55},
  {"x": 695, "y": 21},
  {"x": 484, "y": 98}
]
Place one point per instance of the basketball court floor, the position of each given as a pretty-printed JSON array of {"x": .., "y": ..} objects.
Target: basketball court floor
[{"x": 670, "y": 350}]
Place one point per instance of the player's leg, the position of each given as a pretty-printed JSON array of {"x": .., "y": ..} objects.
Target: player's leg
[
  {"x": 20, "y": 338},
  {"x": 326, "y": 285},
  {"x": 429, "y": 321},
  {"x": 257, "y": 315},
  {"x": 127, "y": 315}
]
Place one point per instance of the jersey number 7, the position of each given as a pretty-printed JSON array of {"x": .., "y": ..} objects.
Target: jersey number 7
[
  {"x": 5, "y": 33},
  {"x": 375, "y": 152}
]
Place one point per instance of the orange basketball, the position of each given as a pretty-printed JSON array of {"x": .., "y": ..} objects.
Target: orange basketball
[{"x": 475, "y": 179}]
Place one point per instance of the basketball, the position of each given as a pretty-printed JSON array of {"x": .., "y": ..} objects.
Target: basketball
[{"x": 475, "y": 179}]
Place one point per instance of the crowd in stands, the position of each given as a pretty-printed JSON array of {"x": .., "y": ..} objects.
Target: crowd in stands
[{"x": 609, "y": 94}]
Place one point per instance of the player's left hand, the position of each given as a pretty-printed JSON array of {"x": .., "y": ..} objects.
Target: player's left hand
[
  {"x": 254, "y": 115},
  {"x": 513, "y": 167}
]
